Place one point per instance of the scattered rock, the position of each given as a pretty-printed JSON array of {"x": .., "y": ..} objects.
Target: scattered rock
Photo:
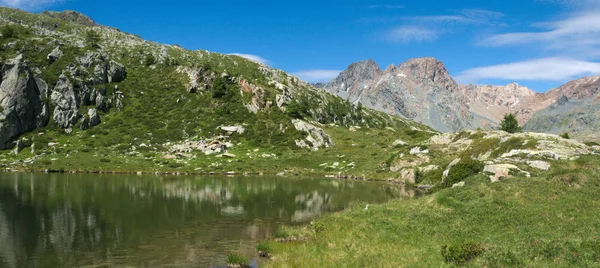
[
  {"x": 228, "y": 155},
  {"x": 233, "y": 129},
  {"x": 429, "y": 168},
  {"x": 460, "y": 184},
  {"x": 500, "y": 171},
  {"x": 542, "y": 165},
  {"x": 417, "y": 150},
  {"x": 399, "y": 143}
]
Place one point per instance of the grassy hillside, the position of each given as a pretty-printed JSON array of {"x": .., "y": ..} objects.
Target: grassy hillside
[{"x": 171, "y": 95}]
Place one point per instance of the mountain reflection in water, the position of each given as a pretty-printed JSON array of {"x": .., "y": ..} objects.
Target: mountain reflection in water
[{"x": 66, "y": 220}]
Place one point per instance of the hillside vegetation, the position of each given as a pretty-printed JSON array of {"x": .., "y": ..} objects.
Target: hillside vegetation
[{"x": 98, "y": 99}]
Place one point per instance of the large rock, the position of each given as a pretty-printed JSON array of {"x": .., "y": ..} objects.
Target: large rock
[
  {"x": 55, "y": 55},
  {"x": 116, "y": 72},
  {"x": 94, "y": 117},
  {"x": 65, "y": 101},
  {"x": 257, "y": 101},
  {"x": 316, "y": 138},
  {"x": 22, "y": 108}
]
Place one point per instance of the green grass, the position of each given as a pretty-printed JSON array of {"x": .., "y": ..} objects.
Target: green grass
[
  {"x": 237, "y": 260},
  {"x": 543, "y": 221}
]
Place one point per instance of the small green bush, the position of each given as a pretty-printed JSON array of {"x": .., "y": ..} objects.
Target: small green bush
[
  {"x": 149, "y": 60},
  {"x": 176, "y": 165},
  {"x": 591, "y": 143},
  {"x": 104, "y": 160},
  {"x": 92, "y": 38},
  {"x": 565, "y": 135},
  {"x": 460, "y": 254},
  {"x": 467, "y": 167},
  {"x": 8, "y": 31}
]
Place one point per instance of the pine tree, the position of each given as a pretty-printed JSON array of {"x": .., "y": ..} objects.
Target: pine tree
[{"x": 510, "y": 124}]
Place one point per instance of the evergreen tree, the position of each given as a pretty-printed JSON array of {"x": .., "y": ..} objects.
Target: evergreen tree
[{"x": 510, "y": 124}]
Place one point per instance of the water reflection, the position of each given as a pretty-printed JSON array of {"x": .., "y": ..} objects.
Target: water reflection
[{"x": 61, "y": 220}]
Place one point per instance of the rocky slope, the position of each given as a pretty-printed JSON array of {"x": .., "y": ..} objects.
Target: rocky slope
[
  {"x": 573, "y": 108},
  {"x": 422, "y": 90}
]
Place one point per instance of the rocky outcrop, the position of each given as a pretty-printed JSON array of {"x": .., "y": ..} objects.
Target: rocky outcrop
[
  {"x": 65, "y": 102},
  {"x": 315, "y": 138},
  {"x": 71, "y": 16},
  {"x": 22, "y": 105},
  {"x": 200, "y": 79},
  {"x": 257, "y": 100}
]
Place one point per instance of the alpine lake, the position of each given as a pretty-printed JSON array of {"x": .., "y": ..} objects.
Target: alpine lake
[{"x": 91, "y": 220}]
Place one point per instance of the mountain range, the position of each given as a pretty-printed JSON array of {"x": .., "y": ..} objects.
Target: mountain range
[{"x": 422, "y": 90}]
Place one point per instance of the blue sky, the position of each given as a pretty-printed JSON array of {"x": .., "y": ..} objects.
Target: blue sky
[{"x": 537, "y": 43}]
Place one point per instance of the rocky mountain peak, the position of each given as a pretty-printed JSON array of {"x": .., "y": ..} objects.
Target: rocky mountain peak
[
  {"x": 71, "y": 16},
  {"x": 427, "y": 69},
  {"x": 355, "y": 78},
  {"x": 366, "y": 69}
]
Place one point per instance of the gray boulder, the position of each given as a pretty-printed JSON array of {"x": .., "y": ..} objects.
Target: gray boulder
[
  {"x": 55, "y": 55},
  {"x": 93, "y": 117},
  {"x": 65, "y": 101},
  {"x": 22, "y": 108},
  {"x": 316, "y": 138}
]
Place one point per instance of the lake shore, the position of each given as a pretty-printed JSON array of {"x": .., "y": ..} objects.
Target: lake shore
[{"x": 542, "y": 221}]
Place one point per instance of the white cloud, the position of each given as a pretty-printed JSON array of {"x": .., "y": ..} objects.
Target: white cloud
[
  {"x": 315, "y": 76},
  {"x": 576, "y": 35},
  {"x": 256, "y": 58},
  {"x": 29, "y": 4},
  {"x": 544, "y": 69},
  {"x": 405, "y": 34}
]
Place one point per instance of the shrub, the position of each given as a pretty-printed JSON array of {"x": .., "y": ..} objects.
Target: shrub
[
  {"x": 510, "y": 124},
  {"x": 149, "y": 60},
  {"x": 104, "y": 160},
  {"x": 460, "y": 254},
  {"x": 219, "y": 88},
  {"x": 92, "y": 38},
  {"x": 591, "y": 143},
  {"x": 565, "y": 135},
  {"x": 8, "y": 31},
  {"x": 467, "y": 167}
]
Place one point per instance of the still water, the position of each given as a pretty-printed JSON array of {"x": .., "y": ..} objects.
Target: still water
[{"x": 66, "y": 220}]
